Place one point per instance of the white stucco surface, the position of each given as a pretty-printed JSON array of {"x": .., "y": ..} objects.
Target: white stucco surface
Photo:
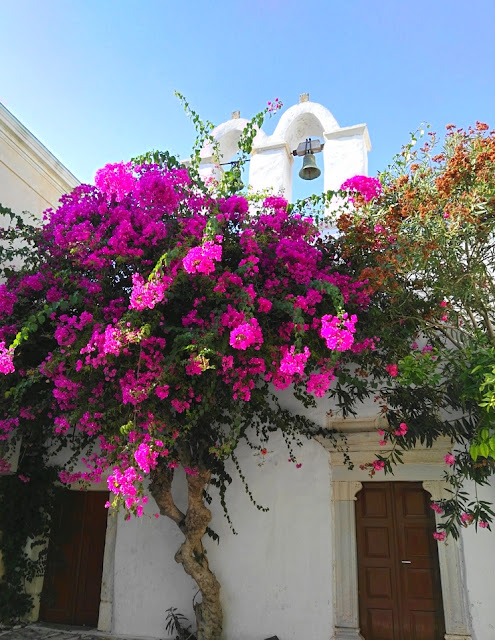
[
  {"x": 479, "y": 555},
  {"x": 271, "y": 168},
  {"x": 276, "y": 574},
  {"x": 346, "y": 155},
  {"x": 147, "y": 580}
]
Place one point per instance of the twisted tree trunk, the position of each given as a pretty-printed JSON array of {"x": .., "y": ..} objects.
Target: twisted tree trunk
[{"x": 191, "y": 554}]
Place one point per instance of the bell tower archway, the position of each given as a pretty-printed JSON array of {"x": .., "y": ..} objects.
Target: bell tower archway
[{"x": 345, "y": 152}]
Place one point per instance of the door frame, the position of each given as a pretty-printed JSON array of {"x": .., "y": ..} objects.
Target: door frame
[
  {"x": 391, "y": 510},
  {"x": 345, "y": 577},
  {"x": 421, "y": 465}
]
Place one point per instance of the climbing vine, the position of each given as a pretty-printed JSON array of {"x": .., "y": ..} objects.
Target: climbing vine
[
  {"x": 27, "y": 502},
  {"x": 154, "y": 324}
]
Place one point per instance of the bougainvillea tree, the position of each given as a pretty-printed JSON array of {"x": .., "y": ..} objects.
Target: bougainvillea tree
[
  {"x": 151, "y": 326},
  {"x": 427, "y": 247}
]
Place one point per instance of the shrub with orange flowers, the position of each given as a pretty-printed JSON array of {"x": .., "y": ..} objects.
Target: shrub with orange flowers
[{"x": 426, "y": 246}]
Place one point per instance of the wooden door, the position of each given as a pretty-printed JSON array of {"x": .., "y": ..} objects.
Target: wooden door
[
  {"x": 400, "y": 594},
  {"x": 72, "y": 584}
]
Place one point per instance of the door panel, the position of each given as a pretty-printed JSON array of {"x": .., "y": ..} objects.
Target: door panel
[
  {"x": 381, "y": 623},
  {"x": 377, "y": 563},
  {"x": 398, "y": 572},
  {"x": 72, "y": 584}
]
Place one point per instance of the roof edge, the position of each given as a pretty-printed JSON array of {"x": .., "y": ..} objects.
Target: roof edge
[{"x": 30, "y": 147}]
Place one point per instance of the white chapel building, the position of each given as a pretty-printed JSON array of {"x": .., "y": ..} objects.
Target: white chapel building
[{"x": 338, "y": 556}]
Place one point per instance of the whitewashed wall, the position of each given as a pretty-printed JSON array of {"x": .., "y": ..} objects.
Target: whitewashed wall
[
  {"x": 276, "y": 574},
  {"x": 479, "y": 555}
]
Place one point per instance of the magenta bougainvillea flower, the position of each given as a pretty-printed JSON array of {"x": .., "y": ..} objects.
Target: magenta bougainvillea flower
[
  {"x": 163, "y": 304},
  {"x": 202, "y": 259},
  {"x": 367, "y": 187},
  {"x": 246, "y": 335}
]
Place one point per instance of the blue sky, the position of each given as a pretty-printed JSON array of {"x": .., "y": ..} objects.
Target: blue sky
[{"x": 94, "y": 79}]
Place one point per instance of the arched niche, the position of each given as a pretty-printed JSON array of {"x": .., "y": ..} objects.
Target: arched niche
[
  {"x": 304, "y": 120},
  {"x": 344, "y": 155},
  {"x": 226, "y": 136}
]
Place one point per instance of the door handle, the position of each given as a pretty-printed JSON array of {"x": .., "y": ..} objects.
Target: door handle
[{"x": 405, "y": 562}]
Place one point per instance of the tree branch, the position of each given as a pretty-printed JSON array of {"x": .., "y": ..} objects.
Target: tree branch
[{"x": 161, "y": 490}]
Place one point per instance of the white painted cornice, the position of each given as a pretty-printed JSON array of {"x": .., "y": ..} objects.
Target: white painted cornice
[
  {"x": 357, "y": 425},
  {"x": 348, "y": 132},
  {"x": 272, "y": 146}
]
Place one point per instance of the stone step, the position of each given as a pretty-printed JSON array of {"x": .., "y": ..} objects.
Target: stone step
[{"x": 43, "y": 632}]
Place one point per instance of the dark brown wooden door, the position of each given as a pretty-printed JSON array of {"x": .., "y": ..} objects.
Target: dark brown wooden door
[
  {"x": 72, "y": 584},
  {"x": 398, "y": 573}
]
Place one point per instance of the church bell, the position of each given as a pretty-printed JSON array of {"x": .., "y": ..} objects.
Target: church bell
[{"x": 309, "y": 170}]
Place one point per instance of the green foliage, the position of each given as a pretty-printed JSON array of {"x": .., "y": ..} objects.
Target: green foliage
[
  {"x": 162, "y": 158},
  {"x": 176, "y": 623},
  {"x": 26, "y": 509},
  {"x": 484, "y": 445},
  {"x": 427, "y": 246},
  {"x": 419, "y": 369},
  {"x": 203, "y": 132},
  {"x": 231, "y": 180}
]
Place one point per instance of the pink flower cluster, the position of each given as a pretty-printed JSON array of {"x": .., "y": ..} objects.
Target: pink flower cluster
[
  {"x": 6, "y": 359},
  {"x": 242, "y": 377},
  {"x": 65, "y": 333},
  {"x": 274, "y": 106},
  {"x": 319, "y": 383},
  {"x": 402, "y": 430},
  {"x": 440, "y": 535},
  {"x": 147, "y": 294},
  {"x": 146, "y": 458},
  {"x": 436, "y": 508},
  {"x": 392, "y": 370},
  {"x": 369, "y": 188},
  {"x": 7, "y": 301},
  {"x": 123, "y": 484},
  {"x": 116, "y": 180},
  {"x": 245, "y": 335},
  {"x": 179, "y": 301},
  {"x": 292, "y": 362},
  {"x": 194, "y": 367},
  {"x": 95, "y": 230},
  {"x": 5, "y": 466},
  {"x": 7, "y": 427},
  {"x": 202, "y": 259},
  {"x": 338, "y": 332}
]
